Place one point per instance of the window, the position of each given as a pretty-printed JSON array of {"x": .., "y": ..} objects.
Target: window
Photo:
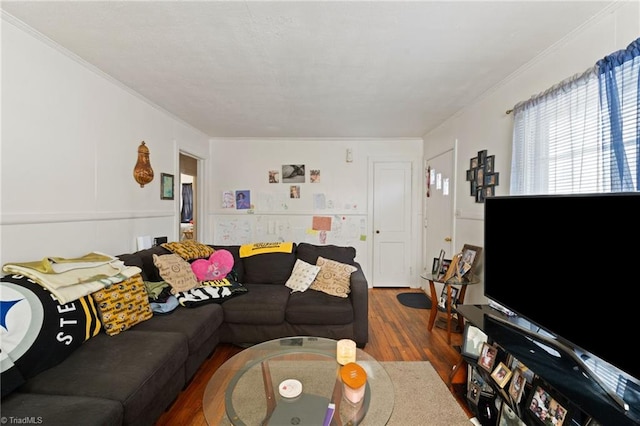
[{"x": 582, "y": 134}]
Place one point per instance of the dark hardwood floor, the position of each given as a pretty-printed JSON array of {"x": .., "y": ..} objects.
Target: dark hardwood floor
[{"x": 396, "y": 333}]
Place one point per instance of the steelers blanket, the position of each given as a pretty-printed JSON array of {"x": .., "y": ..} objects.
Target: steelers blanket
[
  {"x": 247, "y": 250},
  {"x": 37, "y": 332}
]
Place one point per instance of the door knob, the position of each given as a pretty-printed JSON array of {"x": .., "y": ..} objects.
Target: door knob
[
  {"x": 377, "y": 231},
  {"x": 448, "y": 239}
]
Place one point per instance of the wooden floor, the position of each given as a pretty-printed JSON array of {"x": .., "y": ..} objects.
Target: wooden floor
[{"x": 396, "y": 333}]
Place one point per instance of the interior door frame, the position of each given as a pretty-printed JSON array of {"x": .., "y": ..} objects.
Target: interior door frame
[
  {"x": 199, "y": 211},
  {"x": 416, "y": 236}
]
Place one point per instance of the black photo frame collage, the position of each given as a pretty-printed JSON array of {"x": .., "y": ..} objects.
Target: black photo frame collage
[{"x": 482, "y": 176}]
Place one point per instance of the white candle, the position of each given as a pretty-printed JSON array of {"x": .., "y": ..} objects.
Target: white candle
[{"x": 346, "y": 351}]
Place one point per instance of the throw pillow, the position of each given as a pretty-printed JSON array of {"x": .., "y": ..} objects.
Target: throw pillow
[
  {"x": 123, "y": 305},
  {"x": 334, "y": 277},
  {"x": 176, "y": 271},
  {"x": 302, "y": 276},
  {"x": 37, "y": 331},
  {"x": 211, "y": 292},
  {"x": 216, "y": 267},
  {"x": 189, "y": 249}
]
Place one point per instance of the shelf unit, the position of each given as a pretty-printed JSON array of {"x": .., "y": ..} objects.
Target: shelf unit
[{"x": 552, "y": 368}]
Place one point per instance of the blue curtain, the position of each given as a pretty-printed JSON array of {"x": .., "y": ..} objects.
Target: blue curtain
[
  {"x": 619, "y": 80},
  {"x": 187, "y": 203}
]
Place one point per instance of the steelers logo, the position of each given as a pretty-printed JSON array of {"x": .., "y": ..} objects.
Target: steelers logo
[{"x": 21, "y": 319}]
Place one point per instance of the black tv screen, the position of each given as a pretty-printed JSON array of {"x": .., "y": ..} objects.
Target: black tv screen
[{"x": 568, "y": 263}]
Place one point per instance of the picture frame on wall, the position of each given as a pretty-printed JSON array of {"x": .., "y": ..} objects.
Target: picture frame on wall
[
  {"x": 166, "y": 186},
  {"x": 471, "y": 174},
  {"x": 482, "y": 157},
  {"x": 490, "y": 164}
]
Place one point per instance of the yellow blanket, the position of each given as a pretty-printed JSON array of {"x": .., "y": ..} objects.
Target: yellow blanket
[{"x": 247, "y": 250}]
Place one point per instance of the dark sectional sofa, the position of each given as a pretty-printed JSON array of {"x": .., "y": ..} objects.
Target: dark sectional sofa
[{"x": 132, "y": 377}]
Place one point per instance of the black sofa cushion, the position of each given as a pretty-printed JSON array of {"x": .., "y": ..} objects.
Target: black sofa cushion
[
  {"x": 196, "y": 324},
  {"x": 269, "y": 268},
  {"x": 143, "y": 259},
  {"x": 261, "y": 304},
  {"x": 316, "y": 307},
  {"x": 310, "y": 253},
  {"x": 135, "y": 368},
  {"x": 63, "y": 410}
]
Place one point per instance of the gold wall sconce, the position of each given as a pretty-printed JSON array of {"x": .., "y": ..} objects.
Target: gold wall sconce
[{"x": 142, "y": 172}]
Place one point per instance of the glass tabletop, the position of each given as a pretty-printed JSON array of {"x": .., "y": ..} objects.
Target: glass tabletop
[{"x": 244, "y": 391}]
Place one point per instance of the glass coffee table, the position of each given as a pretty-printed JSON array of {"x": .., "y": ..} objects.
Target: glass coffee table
[{"x": 244, "y": 391}]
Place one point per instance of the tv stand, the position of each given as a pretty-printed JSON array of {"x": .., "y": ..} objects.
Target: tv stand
[{"x": 556, "y": 365}]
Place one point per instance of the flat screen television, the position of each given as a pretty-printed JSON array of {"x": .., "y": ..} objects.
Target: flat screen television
[{"x": 568, "y": 264}]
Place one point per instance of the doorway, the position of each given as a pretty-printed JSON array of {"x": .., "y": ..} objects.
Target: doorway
[
  {"x": 188, "y": 197},
  {"x": 392, "y": 192},
  {"x": 439, "y": 208}
]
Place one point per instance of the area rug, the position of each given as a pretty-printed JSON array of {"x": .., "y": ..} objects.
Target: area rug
[
  {"x": 414, "y": 300},
  {"x": 420, "y": 396}
]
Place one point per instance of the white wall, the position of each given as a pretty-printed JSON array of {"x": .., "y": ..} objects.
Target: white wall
[
  {"x": 485, "y": 125},
  {"x": 243, "y": 164},
  {"x": 69, "y": 144}
]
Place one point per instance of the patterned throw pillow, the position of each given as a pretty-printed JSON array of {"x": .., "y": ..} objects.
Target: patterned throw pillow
[
  {"x": 189, "y": 249},
  {"x": 334, "y": 277},
  {"x": 216, "y": 291},
  {"x": 176, "y": 271},
  {"x": 302, "y": 276},
  {"x": 123, "y": 305}
]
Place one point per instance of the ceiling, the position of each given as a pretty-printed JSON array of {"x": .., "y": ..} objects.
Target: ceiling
[{"x": 338, "y": 69}]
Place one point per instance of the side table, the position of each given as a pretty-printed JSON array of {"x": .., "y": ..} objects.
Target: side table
[{"x": 448, "y": 309}]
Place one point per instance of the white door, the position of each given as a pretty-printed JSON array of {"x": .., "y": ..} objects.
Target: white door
[
  {"x": 391, "y": 224},
  {"x": 439, "y": 208}
]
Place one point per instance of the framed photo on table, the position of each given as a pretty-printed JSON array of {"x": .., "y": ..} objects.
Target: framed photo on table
[
  {"x": 501, "y": 374},
  {"x": 542, "y": 406},
  {"x": 437, "y": 261},
  {"x": 474, "y": 376},
  {"x": 516, "y": 387},
  {"x": 444, "y": 267},
  {"x": 472, "y": 340},
  {"x": 442, "y": 302},
  {"x": 470, "y": 256},
  {"x": 473, "y": 394},
  {"x": 508, "y": 417},
  {"x": 488, "y": 354}
]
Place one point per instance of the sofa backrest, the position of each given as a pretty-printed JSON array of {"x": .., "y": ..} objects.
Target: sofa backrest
[
  {"x": 144, "y": 260},
  {"x": 269, "y": 268},
  {"x": 310, "y": 252}
]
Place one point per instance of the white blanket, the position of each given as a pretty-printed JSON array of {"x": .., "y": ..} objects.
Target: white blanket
[{"x": 69, "y": 280}]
